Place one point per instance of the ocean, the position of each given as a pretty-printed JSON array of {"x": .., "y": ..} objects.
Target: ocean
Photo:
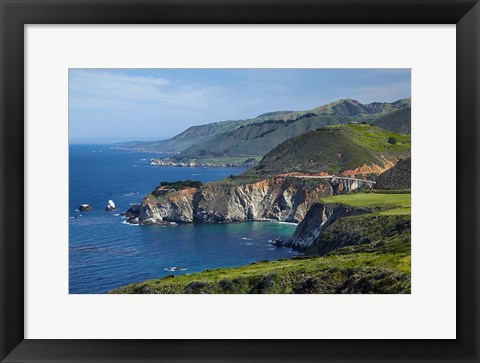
[{"x": 105, "y": 252}]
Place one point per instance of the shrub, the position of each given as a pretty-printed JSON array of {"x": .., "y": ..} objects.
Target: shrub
[{"x": 392, "y": 140}]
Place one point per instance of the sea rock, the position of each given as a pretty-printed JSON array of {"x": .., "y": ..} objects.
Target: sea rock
[
  {"x": 132, "y": 212},
  {"x": 278, "y": 243},
  {"x": 110, "y": 206},
  {"x": 85, "y": 208}
]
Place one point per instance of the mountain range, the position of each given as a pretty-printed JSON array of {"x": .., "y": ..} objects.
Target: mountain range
[{"x": 256, "y": 137}]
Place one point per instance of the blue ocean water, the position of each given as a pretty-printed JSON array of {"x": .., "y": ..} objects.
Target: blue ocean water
[{"x": 105, "y": 253}]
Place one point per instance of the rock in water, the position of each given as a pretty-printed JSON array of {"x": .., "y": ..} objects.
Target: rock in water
[
  {"x": 85, "y": 208},
  {"x": 278, "y": 243},
  {"x": 110, "y": 206},
  {"x": 132, "y": 212}
]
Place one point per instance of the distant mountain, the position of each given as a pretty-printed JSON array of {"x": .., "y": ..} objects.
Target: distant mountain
[
  {"x": 264, "y": 133},
  {"x": 398, "y": 121},
  {"x": 190, "y": 136},
  {"x": 255, "y": 137},
  {"x": 335, "y": 150}
]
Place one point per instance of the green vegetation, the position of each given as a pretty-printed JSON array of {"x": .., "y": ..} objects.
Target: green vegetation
[
  {"x": 229, "y": 159},
  {"x": 334, "y": 149},
  {"x": 398, "y": 177},
  {"x": 264, "y": 133},
  {"x": 235, "y": 180},
  {"x": 377, "y": 139},
  {"x": 388, "y": 200},
  {"x": 383, "y": 268},
  {"x": 396, "y": 211},
  {"x": 398, "y": 121},
  {"x": 387, "y": 191},
  {"x": 168, "y": 187},
  {"x": 361, "y": 230}
]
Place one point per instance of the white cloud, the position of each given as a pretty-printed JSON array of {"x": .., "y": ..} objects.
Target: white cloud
[{"x": 93, "y": 89}]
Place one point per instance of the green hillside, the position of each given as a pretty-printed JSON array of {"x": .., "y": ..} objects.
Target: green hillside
[
  {"x": 381, "y": 203},
  {"x": 334, "y": 149},
  {"x": 190, "y": 136},
  {"x": 398, "y": 177},
  {"x": 257, "y": 136},
  {"x": 398, "y": 121}
]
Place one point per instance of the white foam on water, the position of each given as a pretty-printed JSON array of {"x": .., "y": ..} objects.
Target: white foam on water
[
  {"x": 173, "y": 269},
  {"x": 130, "y": 224}
]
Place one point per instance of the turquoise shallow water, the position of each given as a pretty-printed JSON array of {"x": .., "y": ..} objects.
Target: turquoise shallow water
[{"x": 105, "y": 253}]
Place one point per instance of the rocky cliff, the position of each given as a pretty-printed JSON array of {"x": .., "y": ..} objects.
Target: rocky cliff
[
  {"x": 279, "y": 198},
  {"x": 330, "y": 227},
  {"x": 318, "y": 218}
]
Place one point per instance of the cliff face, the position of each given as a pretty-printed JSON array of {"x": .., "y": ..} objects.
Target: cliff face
[
  {"x": 318, "y": 218},
  {"x": 362, "y": 232},
  {"x": 332, "y": 227},
  {"x": 279, "y": 198}
]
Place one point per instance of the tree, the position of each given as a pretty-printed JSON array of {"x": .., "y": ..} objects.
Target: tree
[{"x": 392, "y": 140}]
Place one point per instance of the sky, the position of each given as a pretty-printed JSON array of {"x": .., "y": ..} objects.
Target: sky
[{"x": 112, "y": 105}]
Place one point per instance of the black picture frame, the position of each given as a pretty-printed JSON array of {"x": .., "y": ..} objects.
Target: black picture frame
[{"x": 17, "y": 13}]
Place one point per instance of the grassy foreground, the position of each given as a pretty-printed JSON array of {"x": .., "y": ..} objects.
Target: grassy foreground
[{"x": 382, "y": 268}]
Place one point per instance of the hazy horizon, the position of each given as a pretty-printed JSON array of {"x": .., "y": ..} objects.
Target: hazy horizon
[{"x": 118, "y": 105}]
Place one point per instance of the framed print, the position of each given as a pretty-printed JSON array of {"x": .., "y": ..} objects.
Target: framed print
[{"x": 239, "y": 181}]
